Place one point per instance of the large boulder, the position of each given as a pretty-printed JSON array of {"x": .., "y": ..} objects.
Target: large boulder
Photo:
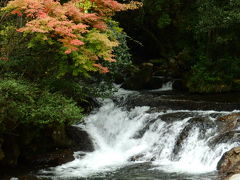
[
  {"x": 60, "y": 138},
  {"x": 53, "y": 147},
  {"x": 81, "y": 141},
  {"x": 50, "y": 159},
  {"x": 30, "y": 149},
  {"x": 229, "y": 164}
]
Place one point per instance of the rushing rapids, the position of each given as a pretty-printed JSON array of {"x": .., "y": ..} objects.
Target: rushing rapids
[{"x": 148, "y": 142}]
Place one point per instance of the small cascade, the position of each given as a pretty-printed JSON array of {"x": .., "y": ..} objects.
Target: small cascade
[
  {"x": 168, "y": 86},
  {"x": 172, "y": 141}
]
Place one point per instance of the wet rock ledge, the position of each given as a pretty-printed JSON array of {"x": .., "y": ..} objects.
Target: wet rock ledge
[
  {"x": 184, "y": 101},
  {"x": 53, "y": 148},
  {"x": 229, "y": 165}
]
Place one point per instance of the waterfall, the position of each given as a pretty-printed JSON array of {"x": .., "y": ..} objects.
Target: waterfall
[
  {"x": 165, "y": 87},
  {"x": 180, "y": 141}
]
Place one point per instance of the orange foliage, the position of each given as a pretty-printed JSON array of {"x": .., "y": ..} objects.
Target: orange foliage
[
  {"x": 67, "y": 23},
  {"x": 102, "y": 69}
]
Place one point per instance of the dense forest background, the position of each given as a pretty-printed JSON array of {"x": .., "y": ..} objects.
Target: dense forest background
[
  {"x": 50, "y": 75},
  {"x": 196, "y": 41}
]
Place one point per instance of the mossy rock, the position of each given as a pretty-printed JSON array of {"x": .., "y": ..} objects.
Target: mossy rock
[
  {"x": 81, "y": 141},
  {"x": 59, "y": 137}
]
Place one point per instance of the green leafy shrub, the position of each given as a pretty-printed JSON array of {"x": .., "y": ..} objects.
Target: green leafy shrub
[
  {"x": 82, "y": 91},
  {"x": 22, "y": 103},
  {"x": 216, "y": 32},
  {"x": 203, "y": 81},
  {"x": 215, "y": 76},
  {"x": 120, "y": 68}
]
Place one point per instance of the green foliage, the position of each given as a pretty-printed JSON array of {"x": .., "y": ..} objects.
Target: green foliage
[
  {"x": 81, "y": 91},
  {"x": 215, "y": 76},
  {"x": 160, "y": 11},
  {"x": 9, "y": 38},
  {"x": 22, "y": 103},
  {"x": 46, "y": 68},
  {"x": 42, "y": 56},
  {"x": 183, "y": 32},
  {"x": 204, "y": 80},
  {"x": 123, "y": 63},
  {"x": 216, "y": 32},
  {"x": 55, "y": 109},
  {"x": 163, "y": 21},
  {"x": 76, "y": 30}
]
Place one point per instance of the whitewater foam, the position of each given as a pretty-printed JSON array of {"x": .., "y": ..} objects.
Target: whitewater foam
[{"x": 119, "y": 134}]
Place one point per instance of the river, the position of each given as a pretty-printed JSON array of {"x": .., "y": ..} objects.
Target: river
[{"x": 139, "y": 138}]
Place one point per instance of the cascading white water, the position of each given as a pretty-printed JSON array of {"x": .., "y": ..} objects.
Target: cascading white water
[
  {"x": 121, "y": 135},
  {"x": 168, "y": 86}
]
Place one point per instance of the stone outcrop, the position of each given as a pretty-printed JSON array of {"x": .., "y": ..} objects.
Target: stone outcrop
[
  {"x": 51, "y": 159},
  {"x": 229, "y": 122},
  {"x": 229, "y": 164},
  {"x": 81, "y": 141},
  {"x": 54, "y": 147},
  {"x": 227, "y": 127},
  {"x": 176, "y": 101}
]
